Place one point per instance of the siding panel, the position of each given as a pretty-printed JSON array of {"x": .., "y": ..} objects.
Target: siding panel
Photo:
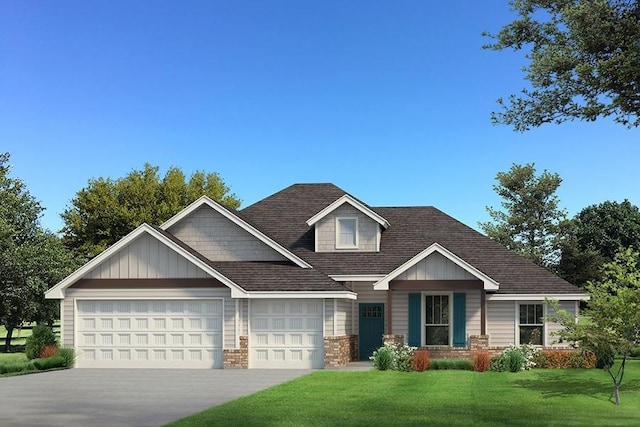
[
  {"x": 501, "y": 323},
  {"x": 436, "y": 267},
  {"x": 367, "y": 231}
]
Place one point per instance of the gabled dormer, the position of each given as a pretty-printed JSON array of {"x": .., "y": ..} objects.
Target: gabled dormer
[{"x": 347, "y": 225}]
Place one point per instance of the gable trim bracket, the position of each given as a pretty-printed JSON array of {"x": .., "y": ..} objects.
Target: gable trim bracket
[
  {"x": 353, "y": 202},
  {"x": 57, "y": 292},
  {"x": 489, "y": 284},
  {"x": 204, "y": 200}
]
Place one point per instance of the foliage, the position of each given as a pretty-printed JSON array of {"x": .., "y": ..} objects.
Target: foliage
[
  {"x": 107, "y": 210},
  {"x": 635, "y": 352},
  {"x": 31, "y": 259},
  {"x": 421, "y": 360},
  {"x": 515, "y": 358},
  {"x": 68, "y": 356},
  {"x": 531, "y": 223},
  {"x": 48, "y": 363},
  {"x": 613, "y": 325},
  {"x": 41, "y": 337},
  {"x": 481, "y": 361},
  {"x": 40, "y": 364},
  {"x": 565, "y": 358},
  {"x": 584, "y": 62},
  {"x": 49, "y": 350},
  {"x": 382, "y": 358},
  {"x": 451, "y": 364},
  {"x": 401, "y": 356},
  {"x": 597, "y": 234}
]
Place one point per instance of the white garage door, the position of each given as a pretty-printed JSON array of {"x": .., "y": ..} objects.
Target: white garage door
[
  {"x": 286, "y": 334},
  {"x": 149, "y": 334}
]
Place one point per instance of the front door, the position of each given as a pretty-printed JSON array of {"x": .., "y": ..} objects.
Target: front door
[{"x": 371, "y": 328}]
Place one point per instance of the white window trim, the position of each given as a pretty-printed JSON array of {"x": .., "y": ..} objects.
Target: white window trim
[
  {"x": 423, "y": 316},
  {"x": 517, "y": 320},
  {"x": 339, "y": 245}
]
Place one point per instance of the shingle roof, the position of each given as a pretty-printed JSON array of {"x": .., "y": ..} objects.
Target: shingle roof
[{"x": 283, "y": 217}]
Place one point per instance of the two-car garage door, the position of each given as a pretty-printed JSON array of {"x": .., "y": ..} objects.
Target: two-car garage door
[{"x": 149, "y": 333}]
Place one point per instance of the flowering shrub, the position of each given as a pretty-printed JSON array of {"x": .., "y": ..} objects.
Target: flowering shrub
[
  {"x": 401, "y": 356},
  {"x": 515, "y": 358}
]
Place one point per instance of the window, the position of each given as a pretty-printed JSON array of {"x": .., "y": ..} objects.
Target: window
[
  {"x": 437, "y": 320},
  {"x": 347, "y": 233},
  {"x": 531, "y": 324}
]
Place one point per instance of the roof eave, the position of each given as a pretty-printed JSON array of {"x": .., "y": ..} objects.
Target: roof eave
[{"x": 353, "y": 202}]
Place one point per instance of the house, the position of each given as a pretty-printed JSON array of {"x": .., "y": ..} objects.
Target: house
[{"x": 309, "y": 277}]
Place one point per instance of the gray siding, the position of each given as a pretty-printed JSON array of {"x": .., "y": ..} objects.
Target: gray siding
[
  {"x": 552, "y": 340},
  {"x": 436, "y": 267},
  {"x": 343, "y": 317},
  {"x": 367, "y": 231},
  {"x": 68, "y": 314},
  {"x": 145, "y": 258},
  {"x": 501, "y": 323},
  {"x": 328, "y": 317},
  {"x": 218, "y": 239}
]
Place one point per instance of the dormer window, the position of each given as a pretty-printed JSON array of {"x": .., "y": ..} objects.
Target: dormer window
[{"x": 346, "y": 232}]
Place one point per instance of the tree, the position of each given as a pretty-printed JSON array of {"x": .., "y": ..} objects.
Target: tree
[
  {"x": 31, "y": 259},
  {"x": 597, "y": 234},
  {"x": 107, "y": 210},
  {"x": 532, "y": 224},
  {"x": 584, "y": 61},
  {"x": 612, "y": 325}
]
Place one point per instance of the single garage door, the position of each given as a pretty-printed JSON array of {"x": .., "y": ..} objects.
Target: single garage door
[
  {"x": 286, "y": 334},
  {"x": 149, "y": 334}
]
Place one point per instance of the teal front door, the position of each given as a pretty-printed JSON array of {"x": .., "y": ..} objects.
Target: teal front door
[{"x": 371, "y": 328}]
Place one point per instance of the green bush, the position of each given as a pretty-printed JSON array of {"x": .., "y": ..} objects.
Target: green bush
[
  {"x": 515, "y": 358},
  {"x": 49, "y": 363},
  {"x": 635, "y": 352},
  {"x": 41, "y": 336},
  {"x": 515, "y": 361},
  {"x": 382, "y": 358},
  {"x": 451, "y": 364},
  {"x": 11, "y": 368},
  {"x": 68, "y": 356}
]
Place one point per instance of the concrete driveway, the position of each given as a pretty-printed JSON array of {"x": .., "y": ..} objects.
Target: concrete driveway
[{"x": 125, "y": 397}]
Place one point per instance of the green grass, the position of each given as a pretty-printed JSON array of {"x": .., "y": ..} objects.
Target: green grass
[
  {"x": 12, "y": 358},
  {"x": 544, "y": 397}
]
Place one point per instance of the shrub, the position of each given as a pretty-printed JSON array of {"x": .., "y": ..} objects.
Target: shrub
[
  {"x": 401, "y": 357},
  {"x": 481, "y": 361},
  {"x": 515, "y": 358},
  {"x": 382, "y": 358},
  {"x": 48, "y": 363},
  {"x": 49, "y": 350},
  {"x": 635, "y": 352},
  {"x": 451, "y": 364},
  {"x": 557, "y": 358},
  {"x": 41, "y": 336},
  {"x": 11, "y": 368},
  {"x": 421, "y": 360},
  {"x": 588, "y": 360},
  {"x": 563, "y": 359},
  {"x": 540, "y": 359},
  {"x": 67, "y": 355}
]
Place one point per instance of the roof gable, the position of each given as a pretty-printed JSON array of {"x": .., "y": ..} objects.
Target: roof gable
[
  {"x": 235, "y": 219},
  {"x": 488, "y": 282},
  {"x": 346, "y": 198}
]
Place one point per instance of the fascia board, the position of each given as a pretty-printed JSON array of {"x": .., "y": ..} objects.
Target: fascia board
[
  {"x": 488, "y": 282},
  {"x": 537, "y": 297},
  {"x": 295, "y": 294},
  {"x": 357, "y": 277},
  {"x": 57, "y": 292},
  {"x": 353, "y": 202},
  {"x": 204, "y": 200}
]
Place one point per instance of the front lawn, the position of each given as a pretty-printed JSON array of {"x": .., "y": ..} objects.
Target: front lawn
[
  {"x": 12, "y": 358},
  {"x": 545, "y": 397}
]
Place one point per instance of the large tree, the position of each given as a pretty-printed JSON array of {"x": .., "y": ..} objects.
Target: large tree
[
  {"x": 583, "y": 61},
  {"x": 531, "y": 223},
  {"x": 31, "y": 259},
  {"x": 108, "y": 209},
  {"x": 611, "y": 324},
  {"x": 597, "y": 234}
]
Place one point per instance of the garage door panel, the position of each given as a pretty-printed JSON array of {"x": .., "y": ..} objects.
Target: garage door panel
[
  {"x": 286, "y": 334},
  {"x": 150, "y": 334}
]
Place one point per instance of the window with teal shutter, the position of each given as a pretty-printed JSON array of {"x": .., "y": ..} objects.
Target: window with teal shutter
[
  {"x": 415, "y": 316},
  {"x": 459, "y": 319}
]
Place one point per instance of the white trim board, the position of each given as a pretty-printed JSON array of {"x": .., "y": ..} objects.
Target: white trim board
[
  {"x": 537, "y": 297},
  {"x": 353, "y": 202}
]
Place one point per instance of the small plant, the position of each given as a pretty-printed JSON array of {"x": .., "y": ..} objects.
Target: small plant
[
  {"x": 451, "y": 364},
  {"x": 49, "y": 350},
  {"x": 382, "y": 358},
  {"x": 421, "y": 360},
  {"x": 401, "y": 357},
  {"x": 515, "y": 358},
  {"x": 68, "y": 356},
  {"x": 481, "y": 361},
  {"x": 41, "y": 336}
]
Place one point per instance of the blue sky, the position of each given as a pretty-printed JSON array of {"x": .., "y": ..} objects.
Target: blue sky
[{"x": 388, "y": 100}]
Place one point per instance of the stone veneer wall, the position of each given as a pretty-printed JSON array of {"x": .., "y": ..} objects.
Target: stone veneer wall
[
  {"x": 393, "y": 339},
  {"x": 354, "y": 348},
  {"x": 237, "y": 357},
  {"x": 337, "y": 351}
]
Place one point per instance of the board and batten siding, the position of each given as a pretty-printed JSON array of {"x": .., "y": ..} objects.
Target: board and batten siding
[
  {"x": 68, "y": 305},
  {"x": 368, "y": 231},
  {"x": 400, "y": 311},
  {"x": 366, "y": 293},
  {"x": 436, "y": 267},
  {"x": 219, "y": 239},
  {"x": 145, "y": 258}
]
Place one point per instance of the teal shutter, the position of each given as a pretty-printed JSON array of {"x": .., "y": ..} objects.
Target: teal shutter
[
  {"x": 415, "y": 331},
  {"x": 459, "y": 319}
]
